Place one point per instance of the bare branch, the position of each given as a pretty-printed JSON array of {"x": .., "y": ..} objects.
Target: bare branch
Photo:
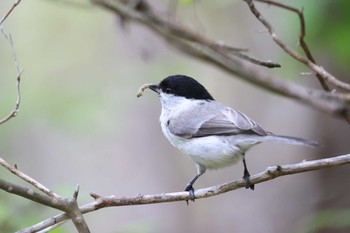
[
  {"x": 43, "y": 226},
  {"x": 301, "y": 36},
  {"x": 31, "y": 195},
  {"x": 49, "y": 229},
  {"x": 28, "y": 179},
  {"x": 68, "y": 205},
  {"x": 268, "y": 64},
  {"x": 335, "y": 104},
  {"x": 52, "y": 199},
  {"x": 19, "y": 72},
  {"x": 269, "y": 174},
  {"x": 74, "y": 213},
  {"x": 320, "y": 73},
  {"x": 240, "y": 53},
  {"x": 10, "y": 11}
]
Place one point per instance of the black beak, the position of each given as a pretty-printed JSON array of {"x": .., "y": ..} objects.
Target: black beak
[{"x": 154, "y": 87}]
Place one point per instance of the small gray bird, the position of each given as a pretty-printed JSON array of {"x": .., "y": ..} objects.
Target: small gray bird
[{"x": 213, "y": 135}]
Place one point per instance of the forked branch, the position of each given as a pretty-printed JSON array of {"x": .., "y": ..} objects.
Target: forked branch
[
  {"x": 202, "y": 48},
  {"x": 322, "y": 75},
  {"x": 269, "y": 174}
]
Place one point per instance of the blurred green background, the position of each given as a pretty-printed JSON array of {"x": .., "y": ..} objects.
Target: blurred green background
[{"x": 81, "y": 123}]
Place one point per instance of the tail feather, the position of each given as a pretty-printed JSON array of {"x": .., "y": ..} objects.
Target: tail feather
[{"x": 291, "y": 140}]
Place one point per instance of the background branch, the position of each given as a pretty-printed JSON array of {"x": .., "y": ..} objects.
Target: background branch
[
  {"x": 302, "y": 34},
  {"x": 199, "y": 47},
  {"x": 322, "y": 75},
  {"x": 9, "y": 11},
  {"x": 19, "y": 72}
]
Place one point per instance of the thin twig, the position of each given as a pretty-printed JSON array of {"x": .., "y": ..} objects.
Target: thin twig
[
  {"x": 125, "y": 11},
  {"x": 28, "y": 179},
  {"x": 268, "y": 64},
  {"x": 19, "y": 72},
  {"x": 240, "y": 53},
  {"x": 270, "y": 173},
  {"x": 302, "y": 35},
  {"x": 9, "y": 11},
  {"x": 48, "y": 229},
  {"x": 202, "y": 48},
  {"x": 322, "y": 75}
]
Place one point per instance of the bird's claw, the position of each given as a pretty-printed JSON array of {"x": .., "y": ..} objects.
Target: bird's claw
[
  {"x": 248, "y": 185},
  {"x": 190, "y": 189}
]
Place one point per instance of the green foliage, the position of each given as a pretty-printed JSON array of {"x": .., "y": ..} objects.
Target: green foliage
[
  {"x": 6, "y": 225},
  {"x": 328, "y": 30},
  {"x": 327, "y": 219},
  {"x": 9, "y": 223}
]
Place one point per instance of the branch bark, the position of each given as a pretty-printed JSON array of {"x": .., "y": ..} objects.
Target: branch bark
[
  {"x": 269, "y": 174},
  {"x": 28, "y": 179}
]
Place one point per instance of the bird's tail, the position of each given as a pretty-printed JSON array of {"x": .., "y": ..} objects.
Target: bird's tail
[{"x": 291, "y": 140}]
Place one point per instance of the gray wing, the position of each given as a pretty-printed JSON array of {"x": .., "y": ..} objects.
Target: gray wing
[{"x": 212, "y": 118}]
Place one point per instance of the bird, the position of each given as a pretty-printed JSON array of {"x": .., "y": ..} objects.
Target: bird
[{"x": 213, "y": 135}]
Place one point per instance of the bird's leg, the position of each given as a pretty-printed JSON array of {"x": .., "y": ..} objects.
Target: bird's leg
[
  {"x": 246, "y": 176},
  {"x": 189, "y": 186}
]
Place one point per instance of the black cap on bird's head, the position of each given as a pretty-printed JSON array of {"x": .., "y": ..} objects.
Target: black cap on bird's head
[{"x": 181, "y": 85}]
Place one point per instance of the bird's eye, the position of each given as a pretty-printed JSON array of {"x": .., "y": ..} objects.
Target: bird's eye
[{"x": 167, "y": 90}]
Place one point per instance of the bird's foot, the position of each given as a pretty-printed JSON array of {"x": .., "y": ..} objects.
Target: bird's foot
[
  {"x": 248, "y": 185},
  {"x": 190, "y": 189}
]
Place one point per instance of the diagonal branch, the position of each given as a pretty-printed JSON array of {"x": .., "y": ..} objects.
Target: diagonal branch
[
  {"x": 322, "y": 75},
  {"x": 269, "y": 174},
  {"x": 30, "y": 194},
  {"x": 301, "y": 36},
  {"x": 335, "y": 104},
  {"x": 10, "y": 11},
  {"x": 28, "y": 179}
]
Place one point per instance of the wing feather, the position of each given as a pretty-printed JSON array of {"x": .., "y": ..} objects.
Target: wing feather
[{"x": 212, "y": 118}]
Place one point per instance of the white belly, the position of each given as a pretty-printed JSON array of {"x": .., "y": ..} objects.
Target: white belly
[{"x": 211, "y": 152}]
